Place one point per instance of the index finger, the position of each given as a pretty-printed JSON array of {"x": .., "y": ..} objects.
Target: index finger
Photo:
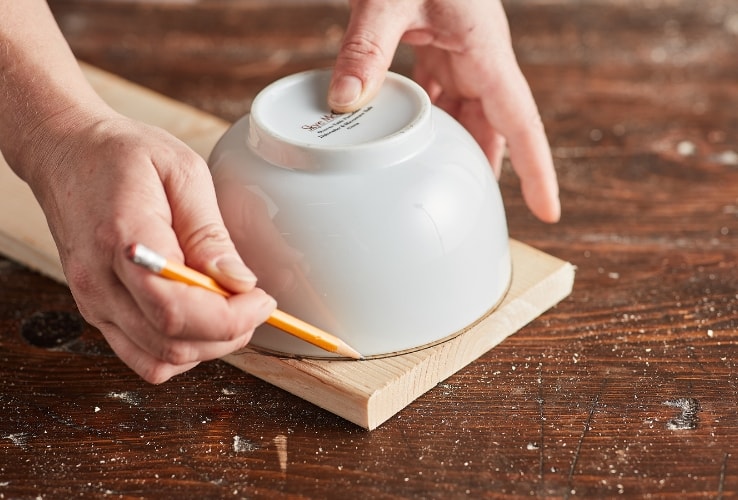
[{"x": 510, "y": 108}]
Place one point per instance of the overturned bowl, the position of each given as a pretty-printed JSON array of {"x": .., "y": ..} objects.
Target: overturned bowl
[{"x": 384, "y": 227}]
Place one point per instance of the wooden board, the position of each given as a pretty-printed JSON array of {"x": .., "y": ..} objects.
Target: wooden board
[
  {"x": 366, "y": 392},
  {"x": 369, "y": 392}
]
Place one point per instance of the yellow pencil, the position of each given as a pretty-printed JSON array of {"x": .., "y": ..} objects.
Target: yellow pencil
[{"x": 157, "y": 263}]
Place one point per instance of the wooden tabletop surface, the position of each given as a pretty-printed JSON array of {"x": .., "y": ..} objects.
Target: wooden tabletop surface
[{"x": 627, "y": 388}]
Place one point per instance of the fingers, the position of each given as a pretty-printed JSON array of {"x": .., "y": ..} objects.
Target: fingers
[
  {"x": 177, "y": 311},
  {"x": 159, "y": 369},
  {"x": 199, "y": 226},
  {"x": 470, "y": 114},
  {"x": 373, "y": 33},
  {"x": 511, "y": 107},
  {"x": 174, "y": 324},
  {"x": 531, "y": 157},
  {"x": 496, "y": 107},
  {"x": 142, "y": 185},
  {"x": 161, "y": 327},
  {"x": 141, "y": 362}
]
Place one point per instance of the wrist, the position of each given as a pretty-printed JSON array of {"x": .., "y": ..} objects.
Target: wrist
[
  {"x": 39, "y": 145},
  {"x": 43, "y": 93}
]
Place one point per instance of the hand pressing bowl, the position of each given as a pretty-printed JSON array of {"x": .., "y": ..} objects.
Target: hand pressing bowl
[{"x": 384, "y": 227}]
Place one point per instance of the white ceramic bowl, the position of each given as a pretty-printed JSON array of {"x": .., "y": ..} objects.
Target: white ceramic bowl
[{"x": 384, "y": 227}]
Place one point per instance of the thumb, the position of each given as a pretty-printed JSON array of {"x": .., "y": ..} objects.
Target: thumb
[
  {"x": 211, "y": 250},
  {"x": 373, "y": 33}
]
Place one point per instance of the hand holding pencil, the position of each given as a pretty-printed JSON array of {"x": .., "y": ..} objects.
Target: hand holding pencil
[{"x": 156, "y": 263}]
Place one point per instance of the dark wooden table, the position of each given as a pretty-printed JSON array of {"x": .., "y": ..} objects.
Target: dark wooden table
[{"x": 629, "y": 387}]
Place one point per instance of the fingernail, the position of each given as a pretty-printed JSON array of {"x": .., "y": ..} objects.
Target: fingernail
[
  {"x": 235, "y": 269},
  {"x": 269, "y": 305},
  {"x": 266, "y": 308},
  {"x": 345, "y": 91}
]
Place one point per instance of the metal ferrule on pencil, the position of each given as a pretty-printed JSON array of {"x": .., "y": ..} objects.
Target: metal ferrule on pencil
[{"x": 147, "y": 258}]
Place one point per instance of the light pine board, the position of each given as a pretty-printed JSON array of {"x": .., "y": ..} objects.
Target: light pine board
[
  {"x": 366, "y": 393},
  {"x": 370, "y": 392}
]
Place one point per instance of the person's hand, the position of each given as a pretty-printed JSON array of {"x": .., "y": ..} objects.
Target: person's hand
[
  {"x": 106, "y": 182},
  {"x": 465, "y": 61}
]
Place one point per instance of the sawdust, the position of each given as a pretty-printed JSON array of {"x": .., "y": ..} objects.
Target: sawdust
[
  {"x": 131, "y": 398},
  {"x": 241, "y": 445},
  {"x": 688, "y": 419}
]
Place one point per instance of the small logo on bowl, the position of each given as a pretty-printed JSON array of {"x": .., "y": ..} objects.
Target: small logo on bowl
[
  {"x": 327, "y": 118},
  {"x": 333, "y": 122}
]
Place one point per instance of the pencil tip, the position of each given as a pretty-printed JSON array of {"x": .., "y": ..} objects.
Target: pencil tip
[{"x": 345, "y": 350}]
